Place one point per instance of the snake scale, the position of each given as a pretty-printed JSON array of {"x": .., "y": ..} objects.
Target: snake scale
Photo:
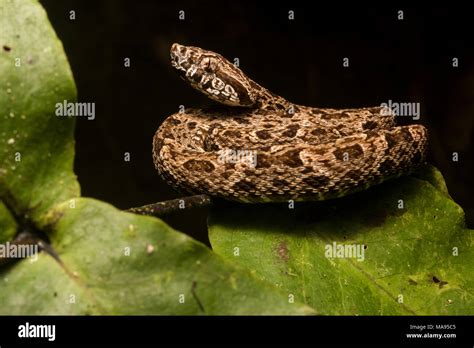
[{"x": 255, "y": 146}]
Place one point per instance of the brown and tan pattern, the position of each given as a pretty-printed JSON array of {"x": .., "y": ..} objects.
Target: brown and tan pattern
[{"x": 301, "y": 153}]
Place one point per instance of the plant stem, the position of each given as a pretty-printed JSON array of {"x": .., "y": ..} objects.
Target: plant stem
[{"x": 173, "y": 205}]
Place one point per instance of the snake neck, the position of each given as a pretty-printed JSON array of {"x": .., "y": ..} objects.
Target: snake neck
[{"x": 267, "y": 100}]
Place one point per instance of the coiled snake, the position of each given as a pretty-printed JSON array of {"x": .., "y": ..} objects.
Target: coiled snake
[{"x": 258, "y": 147}]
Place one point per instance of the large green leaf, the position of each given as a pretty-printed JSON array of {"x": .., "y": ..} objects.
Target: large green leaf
[
  {"x": 36, "y": 147},
  {"x": 418, "y": 259},
  {"x": 119, "y": 263}
]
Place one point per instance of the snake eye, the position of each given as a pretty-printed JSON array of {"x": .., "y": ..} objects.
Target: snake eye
[{"x": 208, "y": 64}]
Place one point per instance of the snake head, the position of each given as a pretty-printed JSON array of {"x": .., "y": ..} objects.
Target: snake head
[{"x": 213, "y": 75}]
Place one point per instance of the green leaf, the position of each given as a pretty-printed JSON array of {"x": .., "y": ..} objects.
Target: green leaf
[
  {"x": 8, "y": 224},
  {"x": 36, "y": 147},
  {"x": 409, "y": 265},
  {"x": 119, "y": 263}
]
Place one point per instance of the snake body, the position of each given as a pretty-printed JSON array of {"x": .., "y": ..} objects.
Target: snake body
[{"x": 257, "y": 147}]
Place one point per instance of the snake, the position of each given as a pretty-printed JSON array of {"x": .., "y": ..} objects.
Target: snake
[{"x": 254, "y": 146}]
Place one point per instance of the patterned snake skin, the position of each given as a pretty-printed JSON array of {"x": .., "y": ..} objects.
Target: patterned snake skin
[{"x": 256, "y": 146}]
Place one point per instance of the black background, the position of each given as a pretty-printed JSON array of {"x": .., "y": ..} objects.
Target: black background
[{"x": 406, "y": 60}]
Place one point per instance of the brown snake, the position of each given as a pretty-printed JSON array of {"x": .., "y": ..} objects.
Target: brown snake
[{"x": 259, "y": 147}]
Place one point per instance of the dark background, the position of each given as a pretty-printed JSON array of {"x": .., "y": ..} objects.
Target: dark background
[{"x": 405, "y": 61}]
